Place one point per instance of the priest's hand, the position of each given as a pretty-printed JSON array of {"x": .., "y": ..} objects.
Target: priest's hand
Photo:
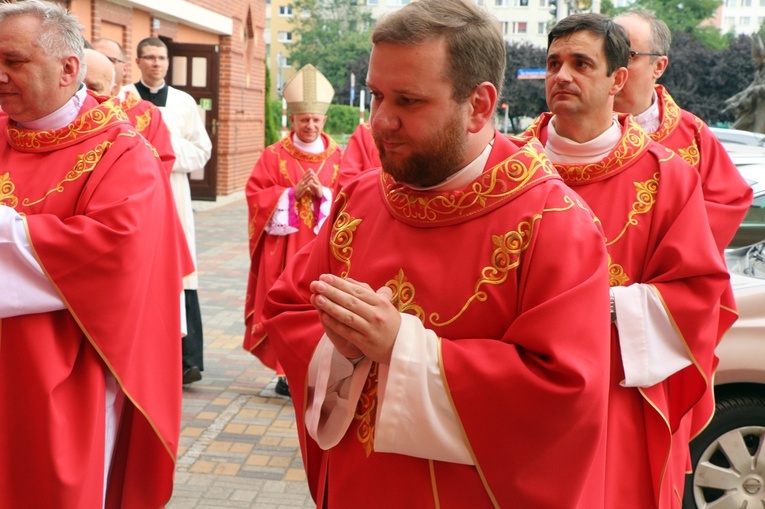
[
  {"x": 309, "y": 183},
  {"x": 358, "y": 320}
]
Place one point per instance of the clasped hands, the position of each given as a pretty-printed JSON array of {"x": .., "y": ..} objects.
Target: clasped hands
[
  {"x": 358, "y": 320},
  {"x": 309, "y": 183}
]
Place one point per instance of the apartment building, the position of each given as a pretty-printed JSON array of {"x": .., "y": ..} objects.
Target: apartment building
[{"x": 520, "y": 21}]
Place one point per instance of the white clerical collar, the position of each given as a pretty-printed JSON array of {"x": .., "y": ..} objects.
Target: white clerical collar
[
  {"x": 649, "y": 119},
  {"x": 464, "y": 176},
  {"x": 566, "y": 151},
  {"x": 153, "y": 90},
  {"x": 314, "y": 147},
  {"x": 62, "y": 116}
]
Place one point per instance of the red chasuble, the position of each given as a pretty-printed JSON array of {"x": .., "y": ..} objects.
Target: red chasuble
[
  {"x": 359, "y": 155},
  {"x": 509, "y": 272},
  {"x": 281, "y": 166},
  {"x": 650, "y": 204},
  {"x": 147, "y": 119},
  {"x": 727, "y": 196},
  {"x": 726, "y": 193},
  {"x": 98, "y": 211}
]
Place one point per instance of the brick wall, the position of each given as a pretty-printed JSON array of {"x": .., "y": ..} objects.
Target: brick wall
[
  {"x": 242, "y": 91},
  {"x": 241, "y": 123}
]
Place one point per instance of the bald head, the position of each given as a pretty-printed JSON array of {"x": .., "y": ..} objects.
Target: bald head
[
  {"x": 114, "y": 52},
  {"x": 99, "y": 75}
]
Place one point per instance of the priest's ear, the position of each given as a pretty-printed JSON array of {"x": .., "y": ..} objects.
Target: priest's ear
[
  {"x": 70, "y": 70},
  {"x": 481, "y": 101}
]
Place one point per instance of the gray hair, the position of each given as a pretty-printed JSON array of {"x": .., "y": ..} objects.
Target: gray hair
[
  {"x": 661, "y": 37},
  {"x": 61, "y": 32}
]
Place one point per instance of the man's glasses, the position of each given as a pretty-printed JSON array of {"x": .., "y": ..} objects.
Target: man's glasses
[
  {"x": 154, "y": 58},
  {"x": 116, "y": 60},
  {"x": 634, "y": 54}
]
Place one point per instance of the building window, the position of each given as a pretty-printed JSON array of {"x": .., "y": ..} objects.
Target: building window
[
  {"x": 541, "y": 27},
  {"x": 505, "y": 27},
  {"x": 521, "y": 3},
  {"x": 285, "y": 36},
  {"x": 728, "y": 21},
  {"x": 502, "y": 3},
  {"x": 543, "y": 3},
  {"x": 519, "y": 27},
  {"x": 746, "y": 3},
  {"x": 744, "y": 21},
  {"x": 398, "y": 2},
  {"x": 285, "y": 11},
  {"x": 373, "y": 2}
]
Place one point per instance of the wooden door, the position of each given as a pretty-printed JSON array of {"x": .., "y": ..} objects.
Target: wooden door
[{"x": 194, "y": 68}]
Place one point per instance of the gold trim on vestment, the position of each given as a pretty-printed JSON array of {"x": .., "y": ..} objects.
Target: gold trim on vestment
[{"x": 92, "y": 121}]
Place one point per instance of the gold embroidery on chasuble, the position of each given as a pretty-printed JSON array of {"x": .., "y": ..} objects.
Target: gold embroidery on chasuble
[
  {"x": 304, "y": 209},
  {"x": 94, "y": 120},
  {"x": 505, "y": 258},
  {"x": 499, "y": 183},
  {"x": 632, "y": 143},
  {"x": 342, "y": 236},
  {"x": 616, "y": 274},
  {"x": 690, "y": 155},
  {"x": 366, "y": 408},
  {"x": 143, "y": 120},
  {"x": 645, "y": 200},
  {"x": 85, "y": 163},
  {"x": 7, "y": 187}
]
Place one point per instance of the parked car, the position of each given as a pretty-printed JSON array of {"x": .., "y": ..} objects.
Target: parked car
[
  {"x": 737, "y": 136},
  {"x": 752, "y": 228},
  {"x": 728, "y": 457}
]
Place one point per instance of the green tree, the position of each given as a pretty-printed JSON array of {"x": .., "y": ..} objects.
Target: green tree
[
  {"x": 700, "y": 79},
  {"x": 685, "y": 15},
  {"x": 331, "y": 35},
  {"x": 524, "y": 98},
  {"x": 272, "y": 113}
]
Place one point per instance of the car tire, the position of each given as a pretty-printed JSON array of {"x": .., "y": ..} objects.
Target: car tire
[{"x": 726, "y": 470}]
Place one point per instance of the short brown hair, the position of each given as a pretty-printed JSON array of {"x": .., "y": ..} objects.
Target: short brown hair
[
  {"x": 616, "y": 42},
  {"x": 149, "y": 41},
  {"x": 475, "y": 48}
]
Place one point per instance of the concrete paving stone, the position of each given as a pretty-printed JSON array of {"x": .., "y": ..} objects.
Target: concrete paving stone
[{"x": 238, "y": 447}]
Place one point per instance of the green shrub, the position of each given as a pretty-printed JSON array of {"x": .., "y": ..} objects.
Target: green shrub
[{"x": 342, "y": 119}]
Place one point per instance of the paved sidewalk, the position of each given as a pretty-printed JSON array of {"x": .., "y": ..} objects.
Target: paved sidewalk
[{"x": 238, "y": 446}]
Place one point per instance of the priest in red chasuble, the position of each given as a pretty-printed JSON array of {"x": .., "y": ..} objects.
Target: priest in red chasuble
[
  {"x": 144, "y": 116},
  {"x": 289, "y": 195},
  {"x": 726, "y": 194},
  {"x": 360, "y": 154},
  {"x": 446, "y": 336},
  {"x": 90, "y": 324},
  {"x": 665, "y": 296}
]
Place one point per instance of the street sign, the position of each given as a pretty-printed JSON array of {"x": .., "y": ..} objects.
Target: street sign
[{"x": 536, "y": 73}]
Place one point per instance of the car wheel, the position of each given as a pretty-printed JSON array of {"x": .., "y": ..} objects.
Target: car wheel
[{"x": 729, "y": 458}]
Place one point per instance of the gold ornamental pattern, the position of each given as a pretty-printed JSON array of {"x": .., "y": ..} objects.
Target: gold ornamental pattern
[
  {"x": 403, "y": 299},
  {"x": 304, "y": 209},
  {"x": 403, "y": 296},
  {"x": 143, "y": 120},
  {"x": 342, "y": 236},
  {"x": 670, "y": 117},
  {"x": 94, "y": 120},
  {"x": 616, "y": 274},
  {"x": 366, "y": 410},
  {"x": 645, "y": 200},
  {"x": 295, "y": 152},
  {"x": 502, "y": 181},
  {"x": 632, "y": 144},
  {"x": 7, "y": 188},
  {"x": 85, "y": 164},
  {"x": 690, "y": 154}
]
